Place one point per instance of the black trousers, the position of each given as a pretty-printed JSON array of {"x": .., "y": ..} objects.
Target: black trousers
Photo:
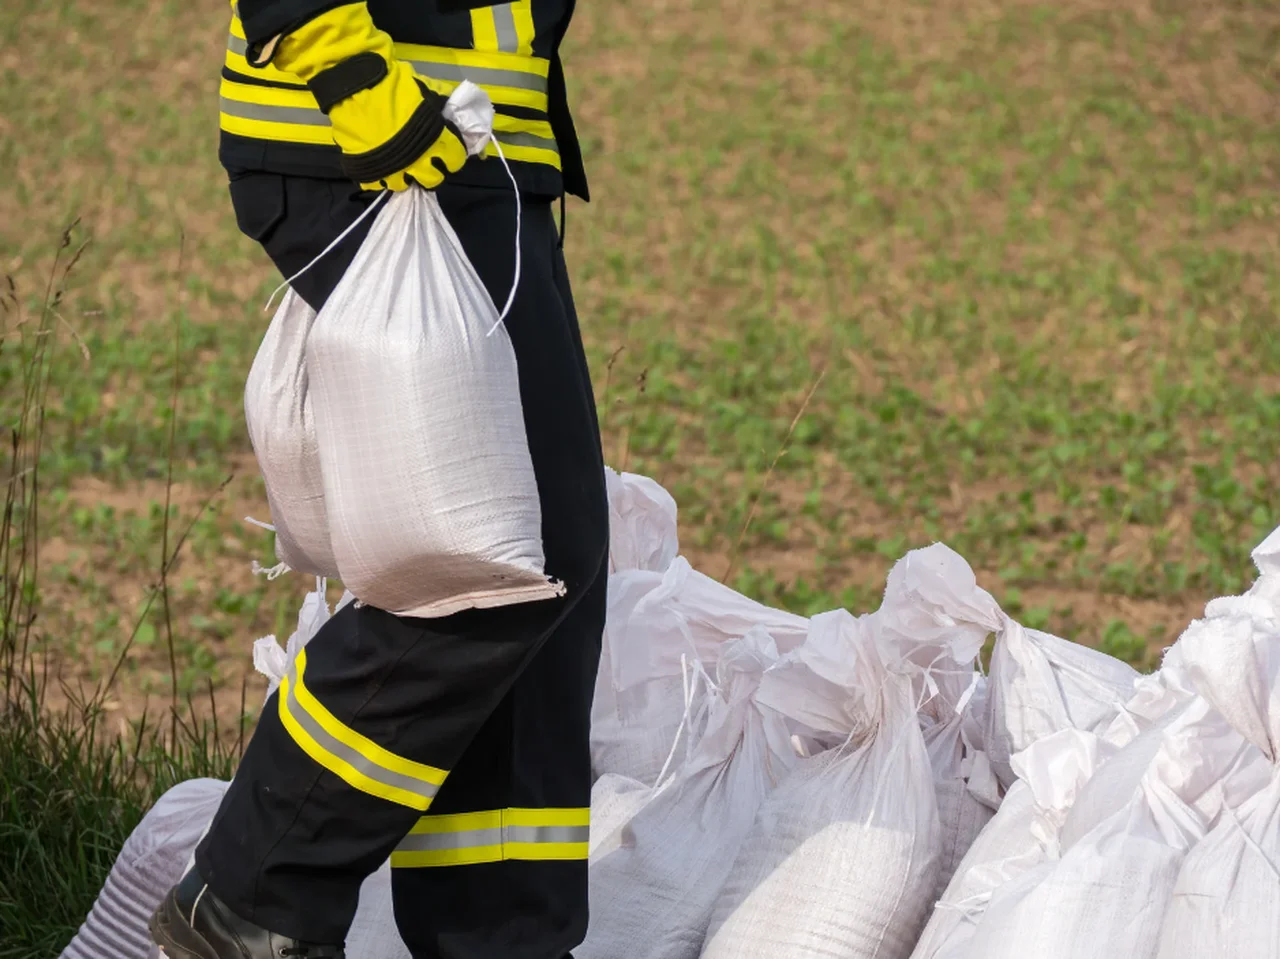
[{"x": 458, "y": 746}]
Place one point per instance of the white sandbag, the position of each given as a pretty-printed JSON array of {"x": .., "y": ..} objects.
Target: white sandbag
[
  {"x": 1136, "y": 735},
  {"x": 282, "y": 430},
  {"x": 1227, "y": 899},
  {"x": 961, "y": 819},
  {"x": 842, "y": 859},
  {"x": 1108, "y": 894},
  {"x": 654, "y": 879},
  {"x": 1262, "y": 600},
  {"x": 844, "y": 856},
  {"x": 429, "y": 485},
  {"x": 1022, "y": 836},
  {"x": 1226, "y": 902},
  {"x": 1040, "y": 684},
  {"x": 615, "y": 800},
  {"x": 658, "y": 623},
  {"x": 657, "y": 619},
  {"x": 151, "y": 861},
  {"x": 936, "y": 616},
  {"x": 946, "y": 722},
  {"x": 373, "y": 933},
  {"x": 933, "y": 609},
  {"x": 642, "y": 523},
  {"x": 633, "y": 729}
]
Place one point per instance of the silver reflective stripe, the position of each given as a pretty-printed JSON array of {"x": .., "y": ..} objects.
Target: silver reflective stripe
[
  {"x": 236, "y": 45},
  {"x": 468, "y": 839},
  {"x": 527, "y": 140},
  {"x": 476, "y": 838},
  {"x": 548, "y": 833},
  {"x": 482, "y": 76},
  {"x": 341, "y": 750},
  {"x": 504, "y": 25},
  {"x": 307, "y": 116}
]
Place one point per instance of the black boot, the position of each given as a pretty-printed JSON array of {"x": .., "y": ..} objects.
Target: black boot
[{"x": 193, "y": 923}]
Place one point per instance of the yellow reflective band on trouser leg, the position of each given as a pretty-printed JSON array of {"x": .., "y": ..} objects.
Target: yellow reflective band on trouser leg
[
  {"x": 499, "y": 835},
  {"x": 356, "y": 759}
]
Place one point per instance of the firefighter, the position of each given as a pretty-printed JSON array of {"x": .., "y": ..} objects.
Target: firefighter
[{"x": 456, "y": 747}]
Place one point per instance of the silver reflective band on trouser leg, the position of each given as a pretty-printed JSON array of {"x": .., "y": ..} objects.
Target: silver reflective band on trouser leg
[
  {"x": 354, "y": 758},
  {"x": 509, "y": 834},
  {"x": 501, "y": 836}
]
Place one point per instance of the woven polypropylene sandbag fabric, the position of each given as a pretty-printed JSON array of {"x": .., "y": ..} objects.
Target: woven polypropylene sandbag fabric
[
  {"x": 842, "y": 860},
  {"x": 1040, "y": 684},
  {"x": 1004, "y": 849},
  {"x": 373, "y": 933},
  {"x": 615, "y": 801},
  {"x": 429, "y": 485},
  {"x": 961, "y": 819},
  {"x": 1227, "y": 896},
  {"x": 655, "y": 877},
  {"x": 282, "y": 430},
  {"x": 1098, "y": 902},
  {"x": 1226, "y": 903},
  {"x": 642, "y": 523},
  {"x": 633, "y": 732},
  {"x": 151, "y": 861}
]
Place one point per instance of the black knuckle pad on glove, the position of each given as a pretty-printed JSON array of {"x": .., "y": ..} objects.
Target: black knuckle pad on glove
[
  {"x": 361, "y": 72},
  {"x": 410, "y": 142}
]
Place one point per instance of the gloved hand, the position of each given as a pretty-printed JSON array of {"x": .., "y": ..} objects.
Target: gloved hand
[{"x": 386, "y": 120}]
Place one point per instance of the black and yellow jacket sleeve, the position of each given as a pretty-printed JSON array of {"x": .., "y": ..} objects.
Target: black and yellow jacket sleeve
[{"x": 270, "y": 121}]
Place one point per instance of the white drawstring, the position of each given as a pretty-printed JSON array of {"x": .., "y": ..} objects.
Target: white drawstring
[
  {"x": 316, "y": 259},
  {"x": 515, "y": 282}
]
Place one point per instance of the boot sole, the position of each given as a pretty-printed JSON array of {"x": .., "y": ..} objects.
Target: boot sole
[{"x": 174, "y": 935}]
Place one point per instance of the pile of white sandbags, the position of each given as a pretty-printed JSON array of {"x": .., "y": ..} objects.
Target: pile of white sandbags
[
  {"x": 1155, "y": 834},
  {"x": 816, "y": 780},
  {"x": 770, "y": 786}
]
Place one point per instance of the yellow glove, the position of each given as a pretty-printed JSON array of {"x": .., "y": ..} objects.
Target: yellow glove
[{"x": 386, "y": 120}]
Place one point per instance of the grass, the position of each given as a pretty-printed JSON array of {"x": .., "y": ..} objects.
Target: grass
[
  {"x": 72, "y": 787},
  {"x": 1029, "y": 250},
  {"x": 1030, "y": 247}
]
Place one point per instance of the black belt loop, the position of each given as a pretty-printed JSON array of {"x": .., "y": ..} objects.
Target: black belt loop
[{"x": 561, "y": 222}]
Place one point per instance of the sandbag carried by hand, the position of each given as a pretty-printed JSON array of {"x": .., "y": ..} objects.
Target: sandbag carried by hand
[{"x": 428, "y": 481}]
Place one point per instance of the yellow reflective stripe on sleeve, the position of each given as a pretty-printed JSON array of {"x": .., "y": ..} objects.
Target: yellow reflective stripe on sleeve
[
  {"x": 356, "y": 759},
  {"x": 236, "y": 62},
  {"x": 269, "y": 113},
  {"x": 494, "y": 836},
  {"x": 272, "y": 130},
  {"x": 534, "y": 66},
  {"x": 273, "y": 96}
]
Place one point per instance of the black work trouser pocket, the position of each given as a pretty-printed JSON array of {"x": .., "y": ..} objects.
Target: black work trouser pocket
[{"x": 294, "y": 218}]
